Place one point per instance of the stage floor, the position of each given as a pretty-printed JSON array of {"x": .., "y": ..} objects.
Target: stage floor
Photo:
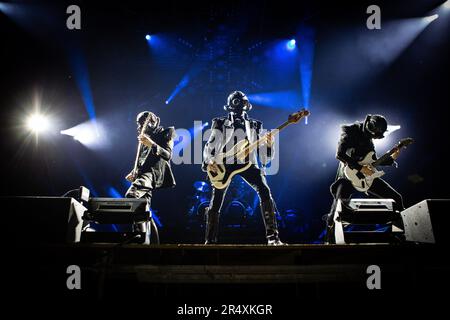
[{"x": 189, "y": 271}]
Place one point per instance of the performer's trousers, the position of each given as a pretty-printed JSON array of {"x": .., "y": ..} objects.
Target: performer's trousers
[
  {"x": 343, "y": 189},
  {"x": 257, "y": 180},
  {"x": 142, "y": 188}
]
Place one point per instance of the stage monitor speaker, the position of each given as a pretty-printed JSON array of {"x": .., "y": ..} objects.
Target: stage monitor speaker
[
  {"x": 117, "y": 210},
  {"x": 41, "y": 220},
  {"x": 427, "y": 221}
]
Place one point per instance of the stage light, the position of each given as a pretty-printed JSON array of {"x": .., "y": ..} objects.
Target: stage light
[
  {"x": 6, "y": 7},
  {"x": 114, "y": 193},
  {"x": 387, "y": 141},
  {"x": 430, "y": 19},
  {"x": 306, "y": 54},
  {"x": 288, "y": 100},
  {"x": 180, "y": 86},
  {"x": 290, "y": 44},
  {"x": 86, "y": 136},
  {"x": 447, "y": 4},
  {"x": 38, "y": 123},
  {"x": 81, "y": 75},
  {"x": 148, "y": 37},
  {"x": 90, "y": 134}
]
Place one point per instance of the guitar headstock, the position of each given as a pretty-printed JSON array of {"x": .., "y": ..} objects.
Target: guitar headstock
[
  {"x": 403, "y": 143},
  {"x": 297, "y": 116},
  {"x": 146, "y": 122}
]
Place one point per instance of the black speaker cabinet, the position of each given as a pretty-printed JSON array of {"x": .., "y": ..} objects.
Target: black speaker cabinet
[
  {"x": 428, "y": 221},
  {"x": 39, "y": 220}
]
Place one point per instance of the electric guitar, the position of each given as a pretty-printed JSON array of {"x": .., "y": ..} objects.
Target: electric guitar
[
  {"x": 225, "y": 171},
  {"x": 362, "y": 182},
  {"x": 139, "y": 148}
]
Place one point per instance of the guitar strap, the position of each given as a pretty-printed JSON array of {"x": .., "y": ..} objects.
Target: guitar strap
[{"x": 248, "y": 130}]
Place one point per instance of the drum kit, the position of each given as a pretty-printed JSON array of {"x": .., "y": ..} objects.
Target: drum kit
[{"x": 237, "y": 209}]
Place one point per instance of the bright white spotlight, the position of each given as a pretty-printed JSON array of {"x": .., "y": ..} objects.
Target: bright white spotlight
[
  {"x": 86, "y": 136},
  {"x": 291, "y": 44},
  {"x": 447, "y": 4},
  {"x": 38, "y": 123},
  {"x": 90, "y": 134},
  {"x": 430, "y": 19},
  {"x": 387, "y": 142},
  {"x": 148, "y": 37},
  {"x": 391, "y": 129}
]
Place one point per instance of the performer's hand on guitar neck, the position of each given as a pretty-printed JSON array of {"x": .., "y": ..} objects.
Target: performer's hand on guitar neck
[
  {"x": 395, "y": 154},
  {"x": 146, "y": 140},
  {"x": 269, "y": 140},
  {"x": 367, "y": 170},
  {"x": 131, "y": 176},
  {"x": 212, "y": 166}
]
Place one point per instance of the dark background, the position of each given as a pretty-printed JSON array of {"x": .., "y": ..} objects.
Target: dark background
[{"x": 223, "y": 46}]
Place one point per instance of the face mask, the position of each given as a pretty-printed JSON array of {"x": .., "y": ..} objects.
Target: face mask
[{"x": 373, "y": 130}]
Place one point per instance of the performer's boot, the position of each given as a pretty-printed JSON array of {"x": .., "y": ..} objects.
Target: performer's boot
[
  {"x": 212, "y": 226},
  {"x": 329, "y": 236},
  {"x": 270, "y": 223}
]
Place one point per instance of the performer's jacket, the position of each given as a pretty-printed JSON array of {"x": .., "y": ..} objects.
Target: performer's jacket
[
  {"x": 222, "y": 134},
  {"x": 156, "y": 160},
  {"x": 355, "y": 143}
]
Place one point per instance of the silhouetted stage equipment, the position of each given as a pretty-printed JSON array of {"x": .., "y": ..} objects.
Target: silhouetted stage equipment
[
  {"x": 366, "y": 221},
  {"x": 41, "y": 220},
  {"x": 112, "y": 211},
  {"x": 428, "y": 221}
]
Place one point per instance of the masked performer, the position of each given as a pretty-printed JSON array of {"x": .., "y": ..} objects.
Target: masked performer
[
  {"x": 355, "y": 143},
  {"x": 227, "y": 132}
]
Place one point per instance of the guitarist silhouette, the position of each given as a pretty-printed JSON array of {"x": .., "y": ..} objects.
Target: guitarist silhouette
[{"x": 355, "y": 144}]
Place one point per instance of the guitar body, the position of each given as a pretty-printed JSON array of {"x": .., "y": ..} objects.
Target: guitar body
[
  {"x": 226, "y": 172},
  {"x": 359, "y": 181},
  {"x": 226, "y": 162}
]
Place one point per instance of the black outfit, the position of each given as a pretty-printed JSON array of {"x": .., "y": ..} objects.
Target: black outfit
[
  {"x": 254, "y": 176},
  {"x": 154, "y": 167},
  {"x": 353, "y": 146}
]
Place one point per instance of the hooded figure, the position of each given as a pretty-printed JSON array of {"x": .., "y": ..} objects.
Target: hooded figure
[{"x": 355, "y": 143}]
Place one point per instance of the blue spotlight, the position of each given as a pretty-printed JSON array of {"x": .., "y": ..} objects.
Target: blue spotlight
[
  {"x": 114, "y": 193},
  {"x": 182, "y": 84},
  {"x": 81, "y": 75},
  {"x": 148, "y": 37},
  {"x": 306, "y": 53},
  {"x": 290, "y": 45},
  {"x": 287, "y": 100},
  {"x": 156, "y": 219}
]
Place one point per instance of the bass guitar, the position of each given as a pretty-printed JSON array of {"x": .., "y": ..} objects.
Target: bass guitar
[{"x": 221, "y": 173}]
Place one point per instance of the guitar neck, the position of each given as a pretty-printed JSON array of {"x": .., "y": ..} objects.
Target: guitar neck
[
  {"x": 384, "y": 157},
  {"x": 139, "y": 148},
  {"x": 253, "y": 145},
  {"x": 136, "y": 161}
]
